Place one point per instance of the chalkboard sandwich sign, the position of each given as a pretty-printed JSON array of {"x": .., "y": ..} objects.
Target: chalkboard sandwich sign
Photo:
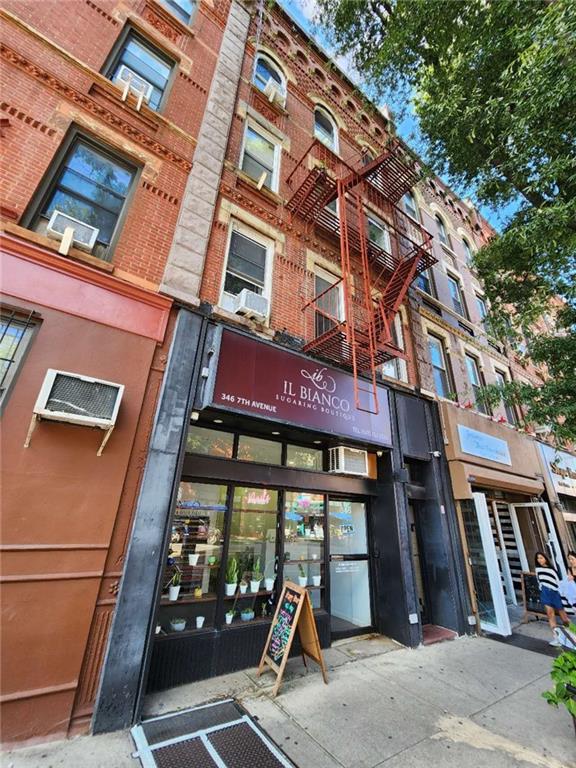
[{"x": 294, "y": 611}]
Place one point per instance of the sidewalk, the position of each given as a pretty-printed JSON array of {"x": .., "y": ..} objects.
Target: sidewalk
[{"x": 471, "y": 701}]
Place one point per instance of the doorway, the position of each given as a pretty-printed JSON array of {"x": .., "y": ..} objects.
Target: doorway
[
  {"x": 415, "y": 511},
  {"x": 350, "y": 594}
]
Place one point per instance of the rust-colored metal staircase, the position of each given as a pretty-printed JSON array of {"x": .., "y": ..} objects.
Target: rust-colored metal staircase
[{"x": 374, "y": 276}]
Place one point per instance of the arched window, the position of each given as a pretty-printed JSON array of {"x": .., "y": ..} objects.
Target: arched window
[
  {"x": 368, "y": 155},
  {"x": 266, "y": 70},
  {"x": 442, "y": 233},
  {"x": 411, "y": 206},
  {"x": 325, "y": 128},
  {"x": 467, "y": 251}
]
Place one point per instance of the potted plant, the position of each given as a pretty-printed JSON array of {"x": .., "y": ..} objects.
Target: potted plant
[
  {"x": 175, "y": 584},
  {"x": 200, "y": 621},
  {"x": 256, "y": 577},
  {"x": 230, "y": 616},
  {"x": 316, "y": 580},
  {"x": 231, "y": 576},
  {"x": 193, "y": 558},
  {"x": 247, "y": 614},
  {"x": 302, "y": 578},
  {"x": 563, "y": 675},
  {"x": 197, "y": 592},
  {"x": 269, "y": 583},
  {"x": 243, "y": 586},
  {"x": 178, "y": 624}
]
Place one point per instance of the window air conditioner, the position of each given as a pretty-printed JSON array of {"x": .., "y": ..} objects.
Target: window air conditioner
[
  {"x": 274, "y": 92},
  {"x": 131, "y": 81},
  {"x": 84, "y": 235},
  {"x": 348, "y": 461},
  {"x": 78, "y": 399},
  {"x": 252, "y": 305}
]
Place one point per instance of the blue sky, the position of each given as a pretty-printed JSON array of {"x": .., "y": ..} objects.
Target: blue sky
[{"x": 302, "y": 11}]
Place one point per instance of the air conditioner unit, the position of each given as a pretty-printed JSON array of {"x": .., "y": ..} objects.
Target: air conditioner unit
[
  {"x": 84, "y": 236},
  {"x": 131, "y": 81},
  {"x": 274, "y": 92},
  {"x": 78, "y": 399},
  {"x": 252, "y": 305},
  {"x": 348, "y": 461}
]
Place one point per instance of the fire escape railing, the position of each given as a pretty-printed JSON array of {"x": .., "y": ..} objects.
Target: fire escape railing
[{"x": 375, "y": 277}]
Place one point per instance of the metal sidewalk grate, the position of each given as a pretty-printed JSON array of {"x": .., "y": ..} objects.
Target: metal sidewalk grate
[{"x": 218, "y": 735}]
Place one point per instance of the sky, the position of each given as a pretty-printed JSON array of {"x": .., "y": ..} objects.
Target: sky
[{"x": 303, "y": 12}]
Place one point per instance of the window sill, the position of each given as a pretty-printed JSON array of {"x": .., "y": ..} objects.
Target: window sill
[
  {"x": 170, "y": 19},
  {"x": 107, "y": 90},
  {"x": 74, "y": 254},
  {"x": 276, "y": 108},
  {"x": 267, "y": 194}
]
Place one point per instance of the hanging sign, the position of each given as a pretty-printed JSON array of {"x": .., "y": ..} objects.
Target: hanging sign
[
  {"x": 294, "y": 611},
  {"x": 272, "y": 383},
  {"x": 561, "y": 468}
]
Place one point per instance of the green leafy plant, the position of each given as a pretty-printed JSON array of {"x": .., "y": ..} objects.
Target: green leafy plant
[
  {"x": 176, "y": 579},
  {"x": 232, "y": 571},
  {"x": 301, "y": 571},
  {"x": 257, "y": 574},
  {"x": 563, "y": 674}
]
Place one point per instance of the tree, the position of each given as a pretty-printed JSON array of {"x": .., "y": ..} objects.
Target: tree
[{"x": 493, "y": 83}]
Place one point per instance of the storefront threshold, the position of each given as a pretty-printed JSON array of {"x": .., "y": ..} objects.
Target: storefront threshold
[{"x": 431, "y": 633}]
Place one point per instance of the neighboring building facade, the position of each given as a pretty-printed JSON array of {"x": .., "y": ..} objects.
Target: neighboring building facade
[
  {"x": 76, "y": 140},
  {"x": 497, "y": 476}
]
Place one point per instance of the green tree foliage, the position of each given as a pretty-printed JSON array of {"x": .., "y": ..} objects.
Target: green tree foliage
[{"x": 493, "y": 83}]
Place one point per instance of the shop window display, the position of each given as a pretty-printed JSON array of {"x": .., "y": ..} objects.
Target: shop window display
[{"x": 304, "y": 524}]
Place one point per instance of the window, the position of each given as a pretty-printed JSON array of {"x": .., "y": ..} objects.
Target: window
[
  {"x": 442, "y": 233},
  {"x": 396, "y": 368},
  {"x": 378, "y": 234},
  {"x": 424, "y": 282},
  {"x": 501, "y": 380},
  {"x": 474, "y": 377},
  {"x": 267, "y": 70},
  {"x": 182, "y": 9},
  {"x": 329, "y": 305},
  {"x": 90, "y": 185},
  {"x": 210, "y": 442},
  {"x": 260, "y": 157},
  {"x": 439, "y": 366},
  {"x": 247, "y": 264},
  {"x": 304, "y": 458},
  {"x": 325, "y": 129},
  {"x": 482, "y": 309},
  {"x": 259, "y": 450},
  {"x": 456, "y": 295},
  {"x": 15, "y": 333},
  {"x": 467, "y": 251},
  {"x": 367, "y": 156},
  {"x": 146, "y": 62},
  {"x": 410, "y": 205}
]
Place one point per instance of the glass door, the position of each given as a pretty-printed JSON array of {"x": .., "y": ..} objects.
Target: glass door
[
  {"x": 485, "y": 569},
  {"x": 350, "y": 603},
  {"x": 535, "y": 531}
]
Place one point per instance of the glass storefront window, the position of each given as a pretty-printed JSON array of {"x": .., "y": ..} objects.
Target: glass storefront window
[
  {"x": 261, "y": 451},
  {"x": 304, "y": 524},
  {"x": 210, "y": 442},
  {"x": 304, "y": 458}
]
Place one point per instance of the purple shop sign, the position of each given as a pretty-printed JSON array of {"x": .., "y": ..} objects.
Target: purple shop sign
[{"x": 263, "y": 380}]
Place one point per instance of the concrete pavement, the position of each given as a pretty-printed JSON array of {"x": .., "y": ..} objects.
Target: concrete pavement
[{"x": 472, "y": 701}]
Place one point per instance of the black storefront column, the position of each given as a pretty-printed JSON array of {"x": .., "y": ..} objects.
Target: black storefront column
[{"x": 123, "y": 675}]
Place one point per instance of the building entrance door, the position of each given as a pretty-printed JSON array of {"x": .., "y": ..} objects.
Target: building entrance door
[
  {"x": 418, "y": 562},
  {"x": 534, "y": 530},
  {"x": 350, "y": 597}
]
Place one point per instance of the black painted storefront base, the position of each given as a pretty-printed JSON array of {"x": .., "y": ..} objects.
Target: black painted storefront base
[{"x": 204, "y": 654}]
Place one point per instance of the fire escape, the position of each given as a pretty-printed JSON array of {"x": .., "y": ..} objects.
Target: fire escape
[{"x": 351, "y": 321}]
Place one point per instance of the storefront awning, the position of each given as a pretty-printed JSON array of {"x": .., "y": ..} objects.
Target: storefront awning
[{"x": 465, "y": 475}]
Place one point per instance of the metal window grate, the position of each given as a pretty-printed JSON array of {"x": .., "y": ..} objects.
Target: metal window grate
[
  {"x": 15, "y": 328},
  {"x": 70, "y": 394}
]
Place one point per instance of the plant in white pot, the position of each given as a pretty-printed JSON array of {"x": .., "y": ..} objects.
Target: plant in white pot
[
  {"x": 243, "y": 586},
  {"x": 178, "y": 624},
  {"x": 230, "y": 616},
  {"x": 175, "y": 584},
  {"x": 316, "y": 580},
  {"x": 302, "y": 578},
  {"x": 269, "y": 583},
  {"x": 247, "y": 614},
  {"x": 256, "y": 577},
  {"x": 231, "y": 576},
  {"x": 193, "y": 558}
]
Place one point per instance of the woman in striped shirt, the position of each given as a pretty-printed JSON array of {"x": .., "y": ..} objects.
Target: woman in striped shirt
[{"x": 549, "y": 594}]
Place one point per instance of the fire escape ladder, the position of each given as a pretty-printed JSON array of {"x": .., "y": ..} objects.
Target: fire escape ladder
[{"x": 393, "y": 296}]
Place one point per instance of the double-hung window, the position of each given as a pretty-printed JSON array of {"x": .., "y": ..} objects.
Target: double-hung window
[
  {"x": 410, "y": 206},
  {"x": 475, "y": 379},
  {"x": 456, "y": 296},
  {"x": 182, "y": 9},
  {"x": 247, "y": 264},
  {"x": 261, "y": 157},
  {"x": 501, "y": 381},
  {"x": 424, "y": 282},
  {"x": 378, "y": 234},
  {"x": 396, "y": 368},
  {"x": 267, "y": 71},
  {"x": 442, "y": 233},
  {"x": 467, "y": 251},
  {"x": 329, "y": 309},
  {"x": 482, "y": 309},
  {"x": 15, "y": 333},
  {"x": 138, "y": 60},
  {"x": 325, "y": 129},
  {"x": 439, "y": 366},
  {"x": 92, "y": 186}
]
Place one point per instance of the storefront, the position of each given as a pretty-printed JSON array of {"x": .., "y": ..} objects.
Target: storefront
[
  {"x": 560, "y": 478},
  {"x": 279, "y": 477},
  {"x": 498, "y": 487}
]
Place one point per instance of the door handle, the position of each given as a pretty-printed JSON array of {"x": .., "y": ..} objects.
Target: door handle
[{"x": 376, "y": 553}]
